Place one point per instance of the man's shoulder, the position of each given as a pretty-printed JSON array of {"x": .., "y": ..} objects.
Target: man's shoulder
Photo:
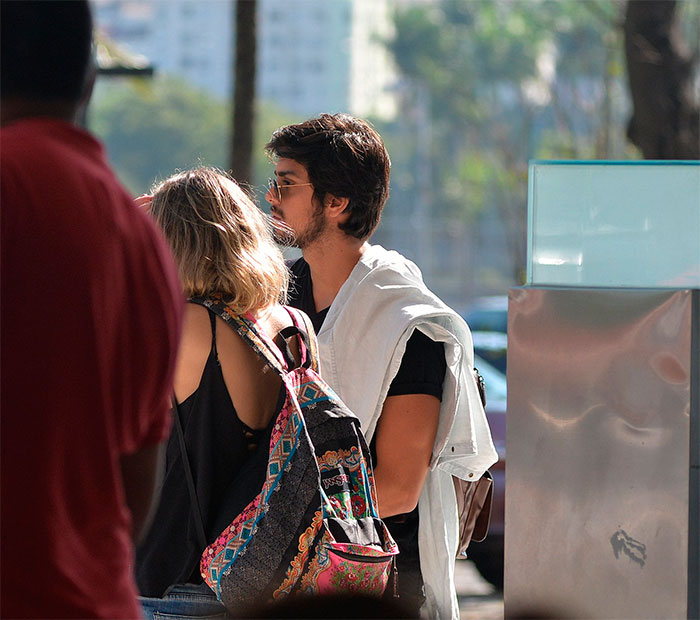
[
  {"x": 389, "y": 290},
  {"x": 379, "y": 262},
  {"x": 50, "y": 156},
  {"x": 52, "y": 132},
  {"x": 22, "y": 142}
]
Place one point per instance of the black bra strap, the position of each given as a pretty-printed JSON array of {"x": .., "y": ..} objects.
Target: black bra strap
[{"x": 212, "y": 319}]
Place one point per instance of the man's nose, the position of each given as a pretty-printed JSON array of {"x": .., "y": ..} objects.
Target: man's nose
[{"x": 271, "y": 196}]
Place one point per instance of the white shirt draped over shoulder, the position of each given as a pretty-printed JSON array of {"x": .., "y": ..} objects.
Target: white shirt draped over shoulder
[{"x": 361, "y": 344}]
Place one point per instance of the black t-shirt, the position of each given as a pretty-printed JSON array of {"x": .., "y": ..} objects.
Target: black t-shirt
[
  {"x": 422, "y": 371},
  {"x": 423, "y": 365}
]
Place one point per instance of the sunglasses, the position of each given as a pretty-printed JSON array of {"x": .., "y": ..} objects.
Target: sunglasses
[{"x": 276, "y": 189}]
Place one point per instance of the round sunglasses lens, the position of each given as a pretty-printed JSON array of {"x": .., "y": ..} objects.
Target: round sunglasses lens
[{"x": 274, "y": 189}]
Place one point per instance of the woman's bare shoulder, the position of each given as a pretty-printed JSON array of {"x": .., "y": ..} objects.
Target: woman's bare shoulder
[
  {"x": 195, "y": 345},
  {"x": 196, "y": 322}
]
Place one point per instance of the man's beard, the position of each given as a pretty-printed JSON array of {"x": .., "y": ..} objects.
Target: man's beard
[{"x": 285, "y": 235}]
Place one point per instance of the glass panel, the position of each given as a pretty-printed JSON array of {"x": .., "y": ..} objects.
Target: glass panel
[{"x": 617, "y": 224}]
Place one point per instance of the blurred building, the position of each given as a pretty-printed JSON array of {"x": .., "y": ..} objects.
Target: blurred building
[
  {"x": 313, "y": 55},
  {"x": 191, "y": 39}
]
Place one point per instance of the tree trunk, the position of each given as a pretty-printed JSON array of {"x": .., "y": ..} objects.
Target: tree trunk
[
  {"x": 241, "y": 154},
  {"x": 664, "y": 123}
]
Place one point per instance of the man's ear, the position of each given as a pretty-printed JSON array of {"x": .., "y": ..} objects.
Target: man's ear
[{"x": 334, "y": 206}]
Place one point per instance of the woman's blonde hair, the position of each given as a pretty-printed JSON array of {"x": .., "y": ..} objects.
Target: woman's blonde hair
[{"x": 221, "y": 241}]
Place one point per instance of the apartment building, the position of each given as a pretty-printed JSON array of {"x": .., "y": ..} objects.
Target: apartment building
[{"x": 313, "y": 55}]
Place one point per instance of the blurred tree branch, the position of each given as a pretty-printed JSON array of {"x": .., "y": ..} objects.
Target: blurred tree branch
[{"x": 665, "y": 120}]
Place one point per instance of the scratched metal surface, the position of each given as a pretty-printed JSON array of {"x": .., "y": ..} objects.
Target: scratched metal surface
[{"x": 598, "y": 453}]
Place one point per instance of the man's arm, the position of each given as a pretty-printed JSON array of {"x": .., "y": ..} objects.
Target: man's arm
[
  {"x": 142, "y": 474},
  {"x": 404, "y": 439}
]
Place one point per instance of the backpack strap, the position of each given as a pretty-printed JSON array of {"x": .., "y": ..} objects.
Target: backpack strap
[
  {"x": 303, "y": 323},
  {"x": 246, "y": 328},
  {"x": 260, "y": 342}
]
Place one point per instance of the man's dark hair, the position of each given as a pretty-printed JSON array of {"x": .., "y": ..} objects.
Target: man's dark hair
[
  {"x": 343, "y": 156},
  {"x": 46, "y": 49}
]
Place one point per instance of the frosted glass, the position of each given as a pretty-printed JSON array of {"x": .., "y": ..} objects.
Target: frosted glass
[{"x": 617, "y": 224}]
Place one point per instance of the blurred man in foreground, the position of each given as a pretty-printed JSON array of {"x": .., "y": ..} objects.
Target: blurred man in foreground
[
  {"x": 91, "y": 312},
  {"x": 396, "y": 355}
]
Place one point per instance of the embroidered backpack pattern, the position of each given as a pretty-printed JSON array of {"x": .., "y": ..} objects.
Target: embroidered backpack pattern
[{"x": 314, "y": 527}]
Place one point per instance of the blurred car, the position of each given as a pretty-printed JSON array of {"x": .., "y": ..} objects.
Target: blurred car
[
  {"x": 488, "y": 314},
  {"x": 488, "y": 555},
  {"x": 491, "y": 346},
  {"x": 487, "y": 318}
]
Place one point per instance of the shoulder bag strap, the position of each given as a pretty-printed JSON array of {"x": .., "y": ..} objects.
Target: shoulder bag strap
[
  {"x": 303, "y": 322},
  {"x": 287, "y": 333},
  {"x": 196, "y": 510}
]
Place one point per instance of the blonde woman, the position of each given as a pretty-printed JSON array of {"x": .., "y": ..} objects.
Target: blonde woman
[{"x": 227, "y": 401}]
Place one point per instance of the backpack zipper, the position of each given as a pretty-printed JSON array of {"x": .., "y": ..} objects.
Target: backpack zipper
[{"x": 360, "y": 558}]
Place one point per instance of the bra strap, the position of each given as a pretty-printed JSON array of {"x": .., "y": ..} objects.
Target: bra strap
[
  {"x": 246, "y": 328},
  {"x": 212, "y": 319}
]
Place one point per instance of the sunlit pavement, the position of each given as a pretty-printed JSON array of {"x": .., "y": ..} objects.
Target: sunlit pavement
[{"x": 478, "y": 599}]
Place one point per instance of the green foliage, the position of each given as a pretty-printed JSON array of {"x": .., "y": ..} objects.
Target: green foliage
[
  {"x": 151, "y": 128},
  {"x": 462, "y": 52},
  {"x": 500, "y": 82},
  {"x": 269, "y": 118}
]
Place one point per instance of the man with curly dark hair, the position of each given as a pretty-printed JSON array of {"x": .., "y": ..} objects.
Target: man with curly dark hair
[{"x": 396, "y": 354}]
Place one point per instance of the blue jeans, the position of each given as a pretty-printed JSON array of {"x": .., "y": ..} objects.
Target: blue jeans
[{"x": 182, "y": 602}]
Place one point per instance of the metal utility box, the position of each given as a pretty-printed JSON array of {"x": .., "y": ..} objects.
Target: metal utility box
[{"x": 603, "y": 419}]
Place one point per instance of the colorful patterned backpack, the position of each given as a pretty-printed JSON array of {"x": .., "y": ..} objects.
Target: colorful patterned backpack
[{"x": 314, "y": 527}]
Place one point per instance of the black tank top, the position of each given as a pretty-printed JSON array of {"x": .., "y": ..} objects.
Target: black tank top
[{"x": 220, "y": 448}]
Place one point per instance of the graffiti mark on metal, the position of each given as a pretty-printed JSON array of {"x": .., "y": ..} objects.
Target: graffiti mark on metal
[{"x": 623, "y": 543}]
